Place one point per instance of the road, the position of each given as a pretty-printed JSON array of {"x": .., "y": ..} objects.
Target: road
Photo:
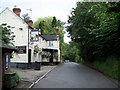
[{"x": 73, "y": 75}]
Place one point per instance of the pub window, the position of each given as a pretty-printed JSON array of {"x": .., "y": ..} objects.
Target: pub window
[
  {"x": 20, "y": 28},
  {"x": 50, "y": 43},
  {"x": 21, "y": 49}
]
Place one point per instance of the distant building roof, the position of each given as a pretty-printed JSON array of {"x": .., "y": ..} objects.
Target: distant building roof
[{"x": 49, "y": 37}]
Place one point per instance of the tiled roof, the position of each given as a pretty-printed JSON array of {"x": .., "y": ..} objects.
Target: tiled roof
[{"x": 50, "y": 37}]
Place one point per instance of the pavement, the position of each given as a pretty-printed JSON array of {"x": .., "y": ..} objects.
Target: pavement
[{"x": 29, "y": 77}]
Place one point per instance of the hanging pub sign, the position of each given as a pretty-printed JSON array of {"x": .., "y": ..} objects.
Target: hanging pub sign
[
  {"x": 34, "y": 36},
  {"x": 21, "y": 49}
]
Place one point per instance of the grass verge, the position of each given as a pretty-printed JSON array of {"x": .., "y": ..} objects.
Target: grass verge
[{"x": 110, "y": 67}]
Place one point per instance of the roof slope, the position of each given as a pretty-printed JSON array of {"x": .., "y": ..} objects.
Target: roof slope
[
  {"x": 7, "y": 9},
  {"x": 50, "y": 37}
]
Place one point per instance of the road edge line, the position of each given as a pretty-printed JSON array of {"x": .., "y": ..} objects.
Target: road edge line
[{"x": 40, "y": 78}]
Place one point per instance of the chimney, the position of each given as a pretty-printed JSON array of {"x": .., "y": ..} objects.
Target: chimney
[
  {"x": 17, "y": 11},
  {"x": 30, "y": 23},
  {"x": 57, "y": 30}
]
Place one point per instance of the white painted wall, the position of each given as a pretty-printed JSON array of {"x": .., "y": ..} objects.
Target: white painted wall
[
  {"x": 14, "y": 21},
  {"x": 55, "y": 44},
  {"x": 59, "y": 51},
  {"x": 45, "y": 44},
  {"x": 20, "y": 58},
  {"x": 21, "y": 36},
  {"x": 31, "y": 46}
]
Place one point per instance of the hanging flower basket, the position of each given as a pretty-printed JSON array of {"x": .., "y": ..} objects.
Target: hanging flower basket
[{"x": 36, "y": 49}]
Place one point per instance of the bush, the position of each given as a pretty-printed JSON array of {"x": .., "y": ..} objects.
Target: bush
[
  {"x": 17, "y": 78},
  {"x": 109, "y": 67}
]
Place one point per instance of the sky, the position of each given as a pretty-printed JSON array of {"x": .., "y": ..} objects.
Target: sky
[{"x": 42, "y": 8}]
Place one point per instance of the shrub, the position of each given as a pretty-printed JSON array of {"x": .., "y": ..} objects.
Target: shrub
[
  {"x": 109, "y": 67},
  {"x": 17, "y": 78}
]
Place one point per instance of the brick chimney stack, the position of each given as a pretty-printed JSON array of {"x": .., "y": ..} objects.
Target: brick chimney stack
[
  {"x": 57, "y": 30},
  {"x": 17, "y": 11},
  {"x": 30, "y": 23}
]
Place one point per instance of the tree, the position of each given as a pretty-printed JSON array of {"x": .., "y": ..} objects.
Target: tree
[
  {"x": 81, "y": 23},
  {"x": 48, "y": 26},
  {"x": 26, "y": 17},
  {"x": 70, "y": 52},
  {"x": 54, "y": 22},
  {"x": 45, "y": 25},
  {"x": 6, "y": 35},
  {"x": 95, "y": 27}
]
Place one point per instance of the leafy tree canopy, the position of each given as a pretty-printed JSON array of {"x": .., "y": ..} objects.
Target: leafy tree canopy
[
  {"x": 95, "y": 28},
  {"x": 26, "y": 17},
  {"x": 6, "y": 36},
  {"x": 48, "y": 25}
]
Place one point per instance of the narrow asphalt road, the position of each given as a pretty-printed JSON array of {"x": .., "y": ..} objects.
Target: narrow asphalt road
[{"x": 72, "y": 75}]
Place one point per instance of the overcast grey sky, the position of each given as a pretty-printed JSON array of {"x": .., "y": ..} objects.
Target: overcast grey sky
[{"x": 42, "y": 8}]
